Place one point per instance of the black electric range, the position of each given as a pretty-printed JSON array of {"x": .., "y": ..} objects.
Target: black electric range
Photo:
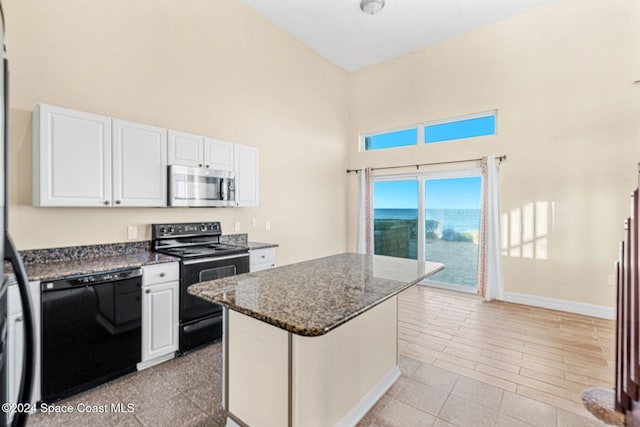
[{"x": 202, "y": 258}]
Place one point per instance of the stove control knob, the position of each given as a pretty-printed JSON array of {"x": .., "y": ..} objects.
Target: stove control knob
[
  {"x": 210, "y": 227},
  {"x": 162, "y": 229},
  {"x": 170, "y": 229}
]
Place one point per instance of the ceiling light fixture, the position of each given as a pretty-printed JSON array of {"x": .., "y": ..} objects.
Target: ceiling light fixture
[{"x": 371, "y": 7}]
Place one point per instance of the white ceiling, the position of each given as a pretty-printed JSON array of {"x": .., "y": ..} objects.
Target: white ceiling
[{"x": 342, "y": 33}]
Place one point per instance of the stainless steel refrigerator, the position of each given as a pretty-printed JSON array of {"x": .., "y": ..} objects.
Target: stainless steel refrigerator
[{"x": 10, "y": 254}]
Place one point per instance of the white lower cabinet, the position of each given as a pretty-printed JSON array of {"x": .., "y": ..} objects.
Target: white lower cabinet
[
  {"x": 15, "y": 342},
  {"x": 261, "y": 259},
  {"x": 160, "y": 322}
]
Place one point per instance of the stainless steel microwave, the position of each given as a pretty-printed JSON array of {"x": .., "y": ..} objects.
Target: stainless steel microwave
[{"x": 201, "y": 187}]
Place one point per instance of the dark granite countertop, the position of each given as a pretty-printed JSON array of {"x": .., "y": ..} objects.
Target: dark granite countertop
[
  {"x": 311, "y": 298},
  {"x": 76, "y": 267},
  {"x": 58, "y": 263},
  {"x": 261, "y": 245}
]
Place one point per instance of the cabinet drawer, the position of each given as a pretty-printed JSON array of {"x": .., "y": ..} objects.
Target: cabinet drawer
[
  {"x": 160, "y": 273},
  {"x": 258, "y": 256},
  {"x": 262, "y": 266}
]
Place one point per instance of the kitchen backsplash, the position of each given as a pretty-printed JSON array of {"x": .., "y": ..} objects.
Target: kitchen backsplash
[
  {"x": 88, "y": 251},
  {"x": 235, "y": 239}
]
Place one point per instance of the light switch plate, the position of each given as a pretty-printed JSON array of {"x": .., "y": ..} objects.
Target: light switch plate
[
  {"x": 267, "y": 225},
  {"x": 236, "y": 227}
]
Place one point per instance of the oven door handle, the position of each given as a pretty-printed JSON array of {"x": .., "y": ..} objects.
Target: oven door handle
[{"x": 221, "y": 258}]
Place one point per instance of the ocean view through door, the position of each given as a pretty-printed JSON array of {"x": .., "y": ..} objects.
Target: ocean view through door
[{"x": 434, "y": 217}]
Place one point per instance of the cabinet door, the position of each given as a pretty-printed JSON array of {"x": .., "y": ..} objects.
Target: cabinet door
[
  {"x": 71, "y": 157},
  {"x": 246, "y": 167},
  {"x": 218, "y": 154},
  {"x": 186, "y": 149},
  {"x": 159, "y": 320},
  {"x": 139, "y": 164}
]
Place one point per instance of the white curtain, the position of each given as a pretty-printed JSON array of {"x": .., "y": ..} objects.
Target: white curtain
[
  {"x": 364, "y": 244},
  {"x": 491, "y": 283}
]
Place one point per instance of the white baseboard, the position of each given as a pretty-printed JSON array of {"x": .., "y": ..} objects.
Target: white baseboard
[
  {"x": 231, "y": 423},
  {"x": 371, "y": 398},
  {"x": 149, "y": 363},
  {"x": 592, "y": 310}
]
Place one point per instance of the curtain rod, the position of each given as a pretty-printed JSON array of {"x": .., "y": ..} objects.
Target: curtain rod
[{"x": 500, "y": 159}]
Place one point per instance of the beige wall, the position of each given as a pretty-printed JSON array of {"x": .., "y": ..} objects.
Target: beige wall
[
  {"x": 210, "y": 67},
  {"x": 560, "y": 76},
  {"x": 561, "y": 79}
]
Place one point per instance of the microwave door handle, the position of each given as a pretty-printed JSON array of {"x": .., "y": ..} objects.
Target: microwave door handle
[{"x": 224, "y": 191}]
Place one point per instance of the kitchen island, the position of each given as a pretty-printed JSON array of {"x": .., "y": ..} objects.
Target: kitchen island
[{"x": 313, "y": 343}]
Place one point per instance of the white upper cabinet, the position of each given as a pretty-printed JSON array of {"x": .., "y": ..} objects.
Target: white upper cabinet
[
  {"x": 197, "y": 151},
  {"x": 186, "y": 149},
  {"x": 218, "y": 154},
  {"x": 71, "y": 158},
  {"x": 246, "y": 167},
  {"x": 139, "y": 164},
  {"x": 84, "y": 159}
]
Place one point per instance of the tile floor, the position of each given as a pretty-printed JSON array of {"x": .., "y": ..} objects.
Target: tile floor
[
  {"x": 181, "y": 392},
  {"x": 445, "y": 361},
  {"x": 426, "y": 395}
]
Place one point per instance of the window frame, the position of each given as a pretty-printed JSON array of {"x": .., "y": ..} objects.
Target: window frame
[
  {"x": 364, "y": 136},
  {"x": 420, "y": 130}
]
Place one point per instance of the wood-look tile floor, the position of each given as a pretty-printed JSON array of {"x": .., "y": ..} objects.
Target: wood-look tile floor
[
  {"x": 470, "y": 363},
  {"x": 464, "y": 363}
]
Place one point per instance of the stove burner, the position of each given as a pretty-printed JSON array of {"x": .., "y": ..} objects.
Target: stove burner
[
  {"x": 191, "y": 240},
  {"x": 202, "y": 251}
]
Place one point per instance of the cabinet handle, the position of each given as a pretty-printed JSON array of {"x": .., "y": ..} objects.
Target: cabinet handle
[
  {"x": 106, "y": 202},
  {"x": 199, "y": 165},
  {"x": 19, "y": 319},
  {"x": 162, "y": 274},
  {"x": 118, "y": 202},
  {"x": 263, "y": 256},
  {"x": 148, "y": 291},
  {"x": 206, "y": 166}
]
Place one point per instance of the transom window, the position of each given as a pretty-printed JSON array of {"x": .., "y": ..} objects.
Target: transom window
[{"x": 469, "y": 126}]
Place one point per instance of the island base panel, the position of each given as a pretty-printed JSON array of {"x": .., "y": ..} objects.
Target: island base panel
[
  {"x": 279, "y": 379},
  {"x": 258, "y": 371}
]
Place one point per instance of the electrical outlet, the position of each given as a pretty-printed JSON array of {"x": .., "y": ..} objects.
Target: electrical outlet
[
  {"x": 236, "y": 227},
  {"x": 254, "y": 222},
  {"x": 267, "y": 225},
  {"x": 132, "y": 232},
  {"x": 612, "y": 280}
]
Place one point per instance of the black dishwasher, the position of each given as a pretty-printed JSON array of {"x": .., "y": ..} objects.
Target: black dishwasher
[{"x": 91, "y": 331}]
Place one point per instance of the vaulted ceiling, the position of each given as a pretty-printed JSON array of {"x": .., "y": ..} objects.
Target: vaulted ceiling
[{"x": 342, "y": 33}]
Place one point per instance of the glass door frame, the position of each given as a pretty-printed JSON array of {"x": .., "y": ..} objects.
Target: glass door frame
[{"x": 422, "y": 177}]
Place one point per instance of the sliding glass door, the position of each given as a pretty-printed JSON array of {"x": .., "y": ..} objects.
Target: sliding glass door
[
  {"x": 452, "y": 228},
  {"x": 395, "y": 218},
  {"x": 431, "y": 216}
]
